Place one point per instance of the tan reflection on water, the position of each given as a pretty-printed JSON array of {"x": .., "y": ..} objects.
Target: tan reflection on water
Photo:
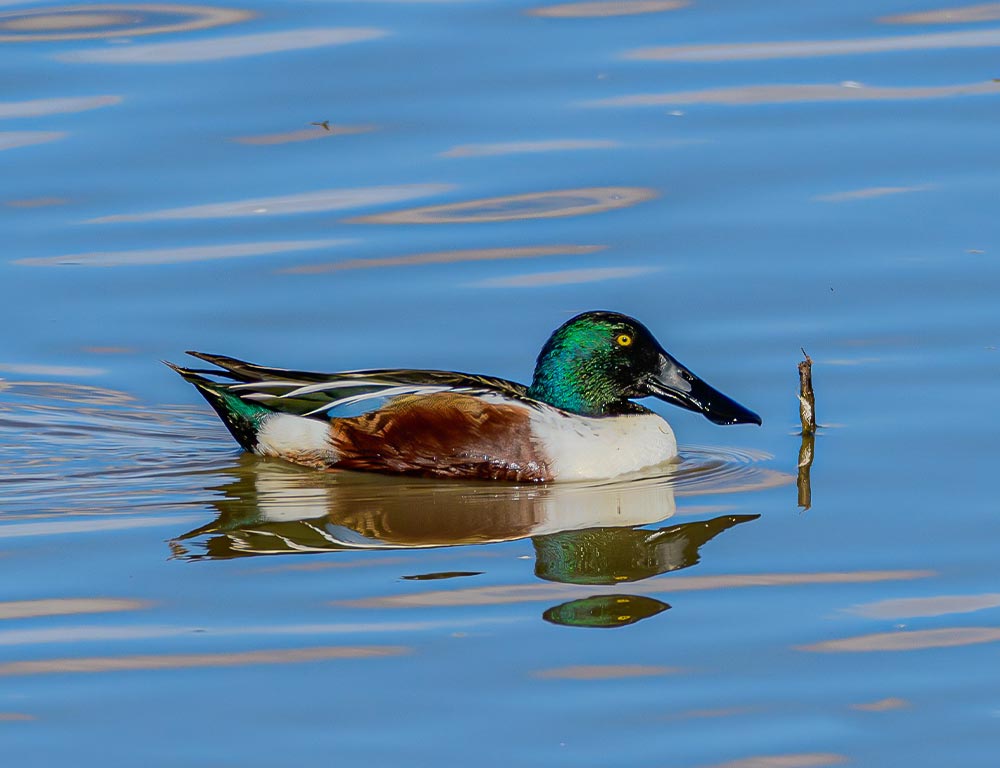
[
  {"x": 64, "y": 106},
  {"x": 82, "y": 394},
  {"x": 605, "y": 672},
  {"x": 851, "y": 361},
  {"x": 697, "y": 714},
  {"x": 908, "y": 641},
  {"x": 228, "y": 47},
  {"x": 194, "y": 660},
  {"x": 527, "y": 147},
  {"x": 808, "y": 49},
  {"x": 36, "y": 636},
  {"x": 84, "y": 22},
  {"x": 23, "y": 609},
  {"x": 12, "y": 717},
  {"x": 176, "y": 255},
  {"x": 915, "y": 607},
  {"x": 564, "y": 277},
  {"x": 535, "y": 205},
  {"x": 36, "y": 202},
  {"x": 882, "y": 705},
  {"x": 110, "y": 523},
  {"x": 524, "y": 593},
  {"x": 324, "y": 565},
  {"x": 793, "y": 93},
  {"x": 801, "y": 760},
  {"x": 705, "y": 509},
  {"x": 448, "y": 257},
  {"x": 305, "y": 134},
  {"x": 870, "y": 192},
  {"x": 108, "y": 350},
  {"x": 76, "y": 21},
  {"x": 607, "y": 8},
  {"x": 759, "y": 480},
  {"x": 303, "y": 202},
  {"x": 31, "y": 369},
  {"x": 15, "y": 139},
  {"x": 970, "y": 13}
]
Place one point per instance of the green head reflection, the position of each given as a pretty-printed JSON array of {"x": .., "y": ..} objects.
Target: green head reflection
[
  {"x": 616, "y": 555},
  {"x": 604, "y": 611}
]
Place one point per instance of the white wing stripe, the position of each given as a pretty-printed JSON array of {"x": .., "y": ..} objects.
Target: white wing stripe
[
  {"x": 264, "y": 384},
  {"x": 388, "y": 392},
  {"x": 336, "y": 384}
]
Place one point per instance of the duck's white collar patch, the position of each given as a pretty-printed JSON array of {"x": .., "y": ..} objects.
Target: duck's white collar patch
[{"x": 584, "y": 448}]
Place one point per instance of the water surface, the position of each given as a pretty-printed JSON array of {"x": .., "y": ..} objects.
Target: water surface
[{"x": 440, "y": 184}]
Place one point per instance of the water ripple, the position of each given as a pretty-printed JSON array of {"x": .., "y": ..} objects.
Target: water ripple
[
  {"x": 535, "y": 205},
  {"x": 809, "y": 49},
  {"x": 98, "y": 450},
  {"x": 229, "y": 47},
  {"x": 88, "y": 22}
]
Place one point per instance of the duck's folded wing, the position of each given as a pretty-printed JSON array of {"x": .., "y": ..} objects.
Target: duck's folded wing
[{"x": 309, "y": 393}]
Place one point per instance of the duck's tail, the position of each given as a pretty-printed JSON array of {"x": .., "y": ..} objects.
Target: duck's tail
[{"x": 243, "y": 418}]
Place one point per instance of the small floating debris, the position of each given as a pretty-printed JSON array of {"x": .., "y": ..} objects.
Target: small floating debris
[
  {"x": 324, "y": 124},
  {"x": 442, "y": 575}
]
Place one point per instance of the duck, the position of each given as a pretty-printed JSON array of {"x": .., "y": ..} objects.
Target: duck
[{"x": 577, "y": 420}]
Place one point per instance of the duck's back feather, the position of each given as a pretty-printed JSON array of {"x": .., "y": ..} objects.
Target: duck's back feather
[{"x": 312, "y": 393}]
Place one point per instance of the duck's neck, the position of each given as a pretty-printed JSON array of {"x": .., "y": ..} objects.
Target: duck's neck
[{"x": 576, "y": 385}]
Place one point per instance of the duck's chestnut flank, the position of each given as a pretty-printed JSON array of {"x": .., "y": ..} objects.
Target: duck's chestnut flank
[{"x": 443, "y": 435}]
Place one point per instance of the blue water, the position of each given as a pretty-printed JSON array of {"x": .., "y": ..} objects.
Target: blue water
[{"x": 746, "y": 179}]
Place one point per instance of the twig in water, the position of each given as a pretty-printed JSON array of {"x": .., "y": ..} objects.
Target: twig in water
[
  {"x": 804, "y": 482},
  {"x": 807, "y": 415},
  {"x": 807, "y": 400}
]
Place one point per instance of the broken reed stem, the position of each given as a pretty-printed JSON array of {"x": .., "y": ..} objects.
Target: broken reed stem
[
  {"x": 804, "y": 482},
  {"x": 807, "y": 415},
  {"x": 807, "y": 400}
]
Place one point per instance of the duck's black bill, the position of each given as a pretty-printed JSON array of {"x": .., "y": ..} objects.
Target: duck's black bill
[{"x": 676, "y": 384}]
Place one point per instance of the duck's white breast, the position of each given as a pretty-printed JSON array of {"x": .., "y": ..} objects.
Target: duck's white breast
[{"x": 584, "y": 448}]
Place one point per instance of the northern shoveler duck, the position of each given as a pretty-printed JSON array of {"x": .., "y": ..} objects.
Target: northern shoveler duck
[{"x": 576, "y": 421}]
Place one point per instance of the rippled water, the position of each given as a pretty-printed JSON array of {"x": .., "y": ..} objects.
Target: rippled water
[{"x": 439, "y": 184}]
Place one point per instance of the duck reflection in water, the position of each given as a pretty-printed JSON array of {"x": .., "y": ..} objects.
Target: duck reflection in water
[{"x": 582, "y": 533}]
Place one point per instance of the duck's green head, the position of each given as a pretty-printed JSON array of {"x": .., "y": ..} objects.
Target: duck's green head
[{"x": 596, "y": 363}]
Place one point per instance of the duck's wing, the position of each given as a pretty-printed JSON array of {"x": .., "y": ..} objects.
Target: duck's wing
[{"x": 309, "y": 393}]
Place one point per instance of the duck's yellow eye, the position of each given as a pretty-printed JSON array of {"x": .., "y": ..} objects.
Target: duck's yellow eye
[{"x": 623, "y": 340}]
